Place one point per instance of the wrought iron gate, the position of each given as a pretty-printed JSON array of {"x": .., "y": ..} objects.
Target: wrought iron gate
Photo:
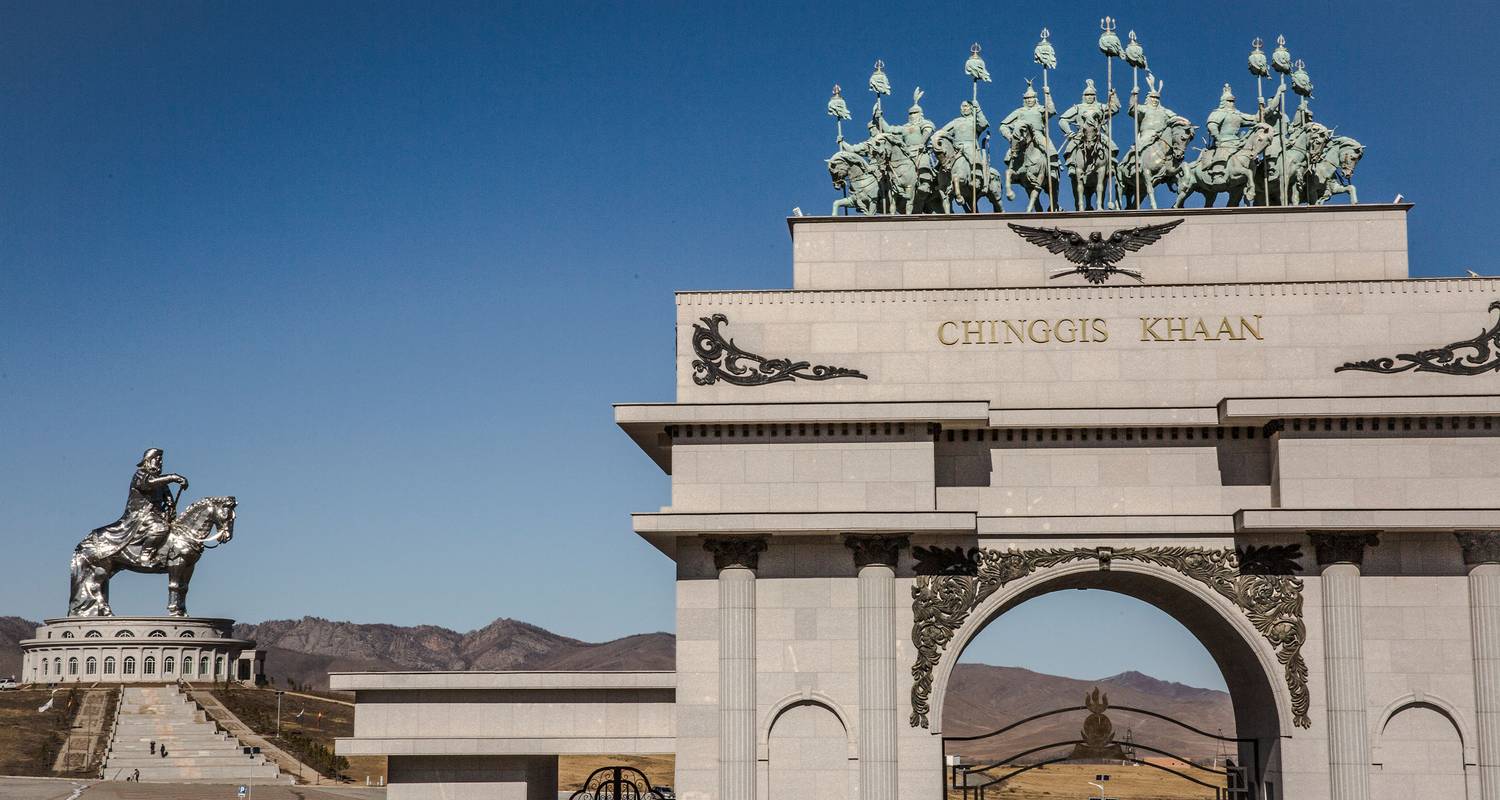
[
  {"x": 619, "y": 783},
  {"x": 1098, "y": 744}
]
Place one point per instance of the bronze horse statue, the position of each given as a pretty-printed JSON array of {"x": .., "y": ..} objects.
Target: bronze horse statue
[
  {"x": 1089, "y": 164},
  {"x": 1157, "y": 164},
  {"x": 207, "y": 523},
  {"x": 1235, "y": 176},
  {"x": 1029, "y": 167}
]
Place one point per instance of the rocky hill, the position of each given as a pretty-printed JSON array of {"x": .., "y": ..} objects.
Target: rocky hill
[
  {"x": 983, "y": 698},
  {"x": 306, "y": 650},
  {"x": 12, "y": 631}
]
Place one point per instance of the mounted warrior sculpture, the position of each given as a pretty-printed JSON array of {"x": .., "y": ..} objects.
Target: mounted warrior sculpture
[
  {"x": 1230, "y": 165},
  {"x": 1158, "y": 159},
  {"x": 911, "y": 174},
  {"x": 150, "y": 537},
  {"x": 960, "y": 157},
  {"x": 1089, "y": 151},
  {"x": 1031, "y": 161}
]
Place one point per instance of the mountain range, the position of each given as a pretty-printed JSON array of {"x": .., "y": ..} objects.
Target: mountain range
[{"x": 981, "y": 697}]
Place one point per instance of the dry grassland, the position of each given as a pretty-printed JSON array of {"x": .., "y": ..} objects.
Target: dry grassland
[{"x": 1071, "y": 782}]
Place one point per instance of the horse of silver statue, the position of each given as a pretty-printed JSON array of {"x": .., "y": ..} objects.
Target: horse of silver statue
[{"x": 150, "y": 537}]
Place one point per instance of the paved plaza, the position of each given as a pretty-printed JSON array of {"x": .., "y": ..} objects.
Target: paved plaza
[{"x": 63, "y": 789}]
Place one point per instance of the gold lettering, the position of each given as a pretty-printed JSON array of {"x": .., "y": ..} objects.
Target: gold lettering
[
  {"x": 1072, "y": 328},
  {"x": 973, "y": 329},
  {"x": 944, "y": 340},
  {"x": 1101, "y": 331},
  {"x": 1180, "y": 327},
  {"x": 994, "y": 332},
  {"x": 1254, "y": 330},
  {"x": 1201, "y": 330},
  {"x": 1010, "y": 328},
  {"x": 1225, "y": 329},
  {"x": 1046, "y": 331},
  {"x": 1148, "y": 327}
]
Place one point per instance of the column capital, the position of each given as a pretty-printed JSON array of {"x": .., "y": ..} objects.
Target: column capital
[
  {"x": 735, "y": 551},
  {"x": 877, "y": 548},
  {"x": 1480, "y": 547},
  {"x": 1342, "y": 547}
]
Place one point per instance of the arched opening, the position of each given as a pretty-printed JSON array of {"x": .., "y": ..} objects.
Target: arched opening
[
  {"x": 168, "y": 665},
  {"x": 1419, "y": 752},
  {"x": 1258, "y": 701},
  {"x": 808, "y": 753},
  {"x": 109, "y": 665}
]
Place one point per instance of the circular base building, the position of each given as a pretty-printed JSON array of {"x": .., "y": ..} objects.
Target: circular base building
[{"x": 138, "y": 650}]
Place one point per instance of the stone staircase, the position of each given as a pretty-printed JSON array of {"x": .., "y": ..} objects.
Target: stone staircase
[{"x": 197, "y": 751}]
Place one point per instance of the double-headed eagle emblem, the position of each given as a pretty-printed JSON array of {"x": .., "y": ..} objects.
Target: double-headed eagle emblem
[{"x": 1096, "y": 253}]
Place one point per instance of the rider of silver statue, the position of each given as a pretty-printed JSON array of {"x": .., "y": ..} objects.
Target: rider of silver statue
[
  {"x": 1034, "y": 115},
  {"x": 148, "y": 509},
  {"x": 1089, "y": 110},
  {"x": 149, "y": 537}
]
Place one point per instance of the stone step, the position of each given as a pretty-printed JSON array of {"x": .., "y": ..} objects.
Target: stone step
[
  {"x": 173, "y": 760},
  {"x": 196, "y": 750},
  {"x": 189, "y": 739},
  {"x": 265, "y": 772},
  {"x": 227, "y": 752}
]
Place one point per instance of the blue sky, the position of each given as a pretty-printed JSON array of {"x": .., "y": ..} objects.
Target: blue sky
[{"x": 379, "y": 270}]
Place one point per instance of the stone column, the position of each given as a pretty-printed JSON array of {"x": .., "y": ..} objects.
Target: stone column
[
  {"x": 1339, "y": 557},
  {"x": 876, "y": 558},
  {"x": 736, "y": 560},
  {"x": 1482, "y": 557}
]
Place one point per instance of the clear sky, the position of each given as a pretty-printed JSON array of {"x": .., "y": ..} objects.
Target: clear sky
[{"x": 379, "y": 270}]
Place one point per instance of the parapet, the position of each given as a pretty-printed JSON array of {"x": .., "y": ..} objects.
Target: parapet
[{"x": 1212, "y": 245}]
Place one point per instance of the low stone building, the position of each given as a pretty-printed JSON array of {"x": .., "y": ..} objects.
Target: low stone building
[{"x": 138, "y": 650}]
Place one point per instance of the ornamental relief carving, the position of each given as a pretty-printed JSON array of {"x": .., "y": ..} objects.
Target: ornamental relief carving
[{"x": 951, "y": 583}]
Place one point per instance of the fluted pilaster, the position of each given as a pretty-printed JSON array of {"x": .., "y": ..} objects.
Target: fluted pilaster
[
  {"x": 1482, "y": 555},
  {"x": 1340, "y": 556},
  {"x": 736, "y": 560},
  {"x": 876, "y": 558}
]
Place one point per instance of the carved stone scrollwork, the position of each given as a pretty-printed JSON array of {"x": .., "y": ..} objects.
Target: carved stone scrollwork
[
  {"x": 946, "y": 592},
  {"x": 1469, "y": 357},
  {"x": 1480, "y": 547},
  {"x": 720, "y": 359},
  {"x": 876, "y": 549},
  {"x": 738, "y": 551}
]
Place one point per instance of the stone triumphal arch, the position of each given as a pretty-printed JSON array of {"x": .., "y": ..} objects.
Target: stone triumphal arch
[{"x": 1277, "y": 437}]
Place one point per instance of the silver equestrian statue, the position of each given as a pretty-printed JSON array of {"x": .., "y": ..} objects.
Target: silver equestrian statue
[{"x": 150, "y": 537}]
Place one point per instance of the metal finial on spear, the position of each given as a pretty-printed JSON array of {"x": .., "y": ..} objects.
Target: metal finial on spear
[
  {"x": 1281, "y": 61},
  {"x": 1135, "y": 56},
  {"x": 879, "y": 83},
  {"x": 1109, "y": 45},
  {"x": 1046, "y": 57},
  {"x": 1261, "y": 69},
  {"x": 838, "y": 109},
  {"x": 975, "y": 69},
  {"x": 1301, "y": 81}
]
